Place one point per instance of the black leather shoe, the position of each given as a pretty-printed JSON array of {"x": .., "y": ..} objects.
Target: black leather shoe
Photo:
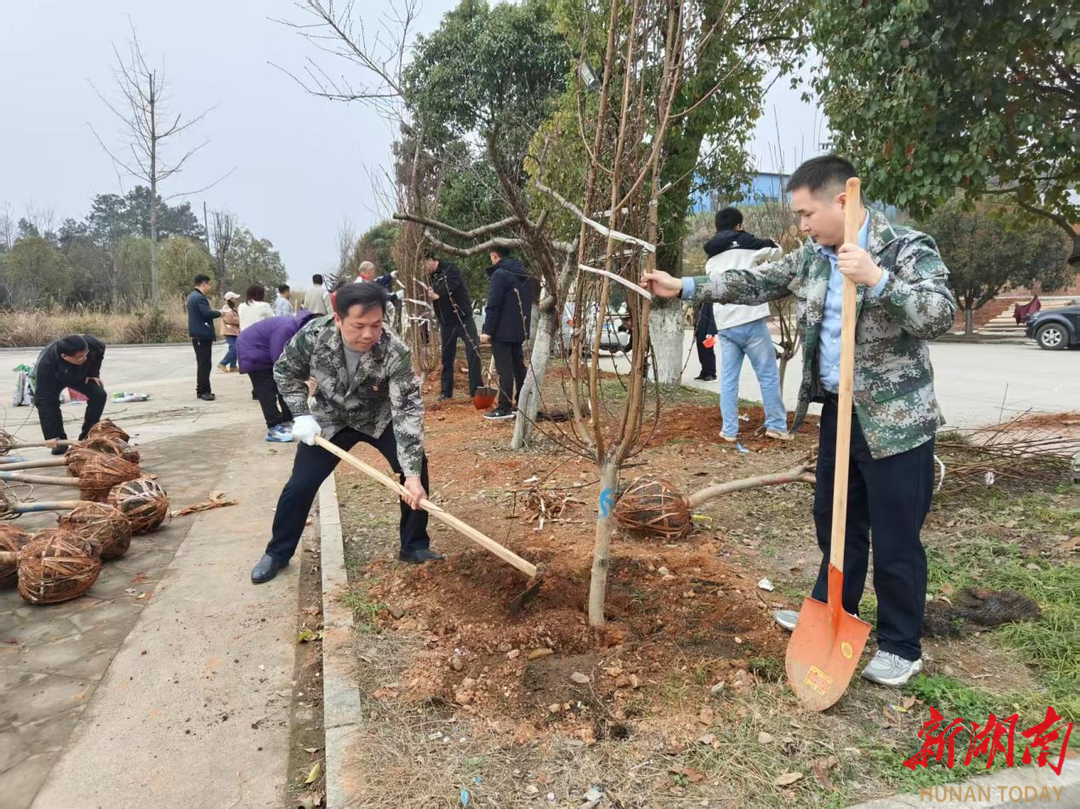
[
  {"x": 266, "y": 569},
  {"x": 207, "y": 397},
  {"x": 421, "y": 556},
  {"x": 59, "y": 450}
]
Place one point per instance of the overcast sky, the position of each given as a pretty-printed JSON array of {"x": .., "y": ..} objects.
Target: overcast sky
[{"x": 299, "y": 164}]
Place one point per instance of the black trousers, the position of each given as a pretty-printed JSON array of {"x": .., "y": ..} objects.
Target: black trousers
[
  {"x": 705, "y": 325},
  {"x": 274, "y": 409},
  {"x": 312, "y": 466},
  {"x": 52, "y": 422},
  {"x": 203, "y": 350},
  {"x": 450, "y": 336},
  {"x": 888, "y": 499},
  {"x": 510, "y": 366}
]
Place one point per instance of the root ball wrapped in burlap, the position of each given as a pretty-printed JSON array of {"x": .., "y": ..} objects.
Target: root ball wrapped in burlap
[
  {"x": 56, "y": 565},
  {"x": 653, "y": 508},
  {"x": 143, "y": 502},
  {"x": 106, "y": 428},
  {"x": 11, "y": 539},
  {"x": 99, "y": 474},
  {"x": 103, "y": 525},
  {"x": 77, "y": 455}
]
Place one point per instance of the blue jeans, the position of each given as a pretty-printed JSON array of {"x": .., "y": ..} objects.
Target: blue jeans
[
  {"x": 230, "y": 356},
  {"x": 751, "y": 340}
]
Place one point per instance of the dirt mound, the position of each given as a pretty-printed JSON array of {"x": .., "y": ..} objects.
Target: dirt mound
[{"x": 663, "y": 604}]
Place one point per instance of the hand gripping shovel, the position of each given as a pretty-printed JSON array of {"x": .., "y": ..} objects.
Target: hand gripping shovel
[
  {"x": 827, "y": 642},
  {"x": 507, "y": 555}
]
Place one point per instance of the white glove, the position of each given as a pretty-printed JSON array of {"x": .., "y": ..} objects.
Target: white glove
[{"x": 305, "y": 428}]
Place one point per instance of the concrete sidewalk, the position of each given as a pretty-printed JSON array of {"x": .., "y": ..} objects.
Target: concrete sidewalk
[{"x": 180, "y": 698}]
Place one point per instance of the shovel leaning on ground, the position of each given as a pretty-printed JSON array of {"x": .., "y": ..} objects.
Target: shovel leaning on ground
[
  {"x": 827, "y": 642},
  {"x": 485, "y": 542}
]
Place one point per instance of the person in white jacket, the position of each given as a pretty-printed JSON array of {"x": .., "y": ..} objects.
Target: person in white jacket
[{"x": 743, "y": 331}]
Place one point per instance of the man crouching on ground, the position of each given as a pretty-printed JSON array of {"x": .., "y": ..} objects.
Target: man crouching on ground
[{"x": 365, "y": 390}]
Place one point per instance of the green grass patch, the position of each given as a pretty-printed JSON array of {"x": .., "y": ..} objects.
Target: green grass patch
[
  {"x": 1052, "y": 644},
  {"x": 364, "y": 610}
]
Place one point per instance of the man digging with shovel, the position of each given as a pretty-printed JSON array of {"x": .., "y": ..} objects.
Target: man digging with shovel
[
  {"x": 365, "y": 390},
  {"x": 902, "y": 302}
]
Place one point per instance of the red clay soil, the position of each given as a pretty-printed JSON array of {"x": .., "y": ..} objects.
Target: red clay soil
[{"x": 674, "y": 612}]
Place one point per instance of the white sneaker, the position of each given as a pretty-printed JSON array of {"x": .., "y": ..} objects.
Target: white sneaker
[
  {"x": 731, "y": 439},
  {"x": 778, "y": 435},
  {"x": 889, "y": 669},
  {"x": 787, "y": 619}
]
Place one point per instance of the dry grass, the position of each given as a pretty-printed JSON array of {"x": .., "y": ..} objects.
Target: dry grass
[{"x": 142, "y": 324}]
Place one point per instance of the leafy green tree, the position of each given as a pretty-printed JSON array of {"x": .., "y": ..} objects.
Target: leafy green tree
[
  {"x": 254, "y": 261},
  {"x": 377, "y": 246},
  {"x": 133, "y": 263},
  {"x": 36, "y": 273},
  {"x": 179, "y": 261},
  {"x": 987, "y": 253},
  {"x": 928, "y": 97}
]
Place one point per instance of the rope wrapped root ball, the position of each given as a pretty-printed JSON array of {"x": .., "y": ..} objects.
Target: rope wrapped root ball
[
  {"x": 143, "y": 502},
  {"x": 103, "y": 525},
  {"x": 56, "y": 565},
  {"x": 11, "y": 539},
  {"x": 106, "y": 428},
  {"x": 653, "y": 508},
  {"x": 77, "y": 455},
  {"x": 99, "y": 474}
]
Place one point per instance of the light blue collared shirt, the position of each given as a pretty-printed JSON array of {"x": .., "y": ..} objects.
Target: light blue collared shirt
[{"x": 829, "y": 334}]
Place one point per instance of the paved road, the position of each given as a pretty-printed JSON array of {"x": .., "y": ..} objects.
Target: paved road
[
  {"x": 180, "y": 698},
  {"x": 977, "y": 383}
]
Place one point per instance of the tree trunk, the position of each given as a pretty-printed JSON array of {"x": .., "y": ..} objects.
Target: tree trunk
[
  {"x": 114, "y": 282},
  {"x": 969, "y": 321},
  {"x": 784, "y": 360},
  {"x": 153, "y": 236},
  {"x": 666, "y": 333},
  {"x": 609, "y": 474},
  {"x": 529, "y": 398}
]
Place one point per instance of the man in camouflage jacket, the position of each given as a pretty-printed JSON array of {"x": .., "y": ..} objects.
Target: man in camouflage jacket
[
  {"x": 903, "y": 301},
  {"x": 364, "y": 390}
]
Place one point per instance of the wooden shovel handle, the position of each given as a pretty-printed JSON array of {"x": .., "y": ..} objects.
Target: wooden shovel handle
[
  {"x": 47, "y": 480},
  {"x": 853, "y": 215},
  {"x": 435, "y": 511},
  {"x": 38, "y": 464}
]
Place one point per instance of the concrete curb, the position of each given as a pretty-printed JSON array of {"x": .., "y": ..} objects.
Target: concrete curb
[
  {"x": 342, "y": 715},
  {"x": 1007, "y": 789}
]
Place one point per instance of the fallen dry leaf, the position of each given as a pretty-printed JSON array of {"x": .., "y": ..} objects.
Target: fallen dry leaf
[
  {"x": 764, "y": 738},
  {"x": 314, "y": 774},
  {"x": 217, "y": 499},
  {"x": 706, "y": 716},
  {"x": 786, "y": 779}
]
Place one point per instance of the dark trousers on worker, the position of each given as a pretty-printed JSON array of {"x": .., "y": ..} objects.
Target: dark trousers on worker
[
  {"x": 312, "y": 466},
  {"x": 52, "y": 422},
  {"x": 706, "y": 325},
  {"x": 203, "y": 360},
  {"x": 510, "y": 366},
  {"x": 274, "y": 409},
  {"x": 888, "y": 499},
  {"x": 450, "y": 336}
]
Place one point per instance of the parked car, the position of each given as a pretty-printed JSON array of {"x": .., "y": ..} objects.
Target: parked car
[
  {"x": 614, "y": 337},
  {"x": 1055, "y": 329}
]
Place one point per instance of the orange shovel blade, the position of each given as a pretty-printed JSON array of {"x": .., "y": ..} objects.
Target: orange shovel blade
[{"x": 823, "y": 652}]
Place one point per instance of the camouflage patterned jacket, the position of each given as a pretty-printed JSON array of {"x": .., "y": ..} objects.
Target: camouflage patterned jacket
[
  {"x": 385, "y": 390},
  {"x": 894, "y": 381}
]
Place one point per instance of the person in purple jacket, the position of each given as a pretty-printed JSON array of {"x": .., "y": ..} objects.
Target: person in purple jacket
[{"x": 257, "y": 349}]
